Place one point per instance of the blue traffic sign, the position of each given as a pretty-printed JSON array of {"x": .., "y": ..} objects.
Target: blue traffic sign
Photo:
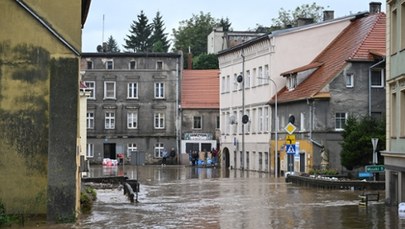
[{"x": 290, "y": 149}]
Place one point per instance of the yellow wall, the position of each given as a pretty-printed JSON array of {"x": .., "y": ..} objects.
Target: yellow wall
[
  {"x": 27, "y": 50},
  {"x": 305, "y": 146}
]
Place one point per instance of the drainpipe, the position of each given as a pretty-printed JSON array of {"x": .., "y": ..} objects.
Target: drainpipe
[
  {"x": 178, "y": 123},
  {"x": 369, "y": 84}
]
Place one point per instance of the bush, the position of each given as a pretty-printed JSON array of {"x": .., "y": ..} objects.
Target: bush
[
  {"x": 327, "y": 172},
  {"x": 86, "y": 199}
]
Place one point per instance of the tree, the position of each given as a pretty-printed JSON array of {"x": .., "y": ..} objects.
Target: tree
[
  {"x": 110, "y": 46},
  {"x": 356, "y": 146},
  {"x": 225, "y": 24},
  {"x": 289, "y": 18},
  {"x": 139, "y": 39},
  {"x": 159, "y": 38},
  {"x": 205, "y": 61},
  {"x": 192, "y": 33}
]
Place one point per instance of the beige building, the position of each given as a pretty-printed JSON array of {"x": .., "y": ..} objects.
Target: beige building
[{"x": 394, "y": 156}]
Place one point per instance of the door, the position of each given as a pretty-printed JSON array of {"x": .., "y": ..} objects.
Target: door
[
  {"x": 302, "y": 162},
  {"x": 109, "y": 151}
]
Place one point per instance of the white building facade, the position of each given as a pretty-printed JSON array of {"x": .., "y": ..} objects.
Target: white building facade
[{"x": 260, "y": 62}]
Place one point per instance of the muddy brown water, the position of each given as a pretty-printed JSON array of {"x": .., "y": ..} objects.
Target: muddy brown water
[{"x": 190, "y": 197}]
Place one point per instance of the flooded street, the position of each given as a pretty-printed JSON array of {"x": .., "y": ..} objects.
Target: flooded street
[{"x": 189, "y": 197}]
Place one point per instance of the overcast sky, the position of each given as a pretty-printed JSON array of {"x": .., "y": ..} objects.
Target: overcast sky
[{"x": 244, "y": 15}]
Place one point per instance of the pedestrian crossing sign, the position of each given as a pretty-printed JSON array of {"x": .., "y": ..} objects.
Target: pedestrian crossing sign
[{"x": 290, "y": 149}]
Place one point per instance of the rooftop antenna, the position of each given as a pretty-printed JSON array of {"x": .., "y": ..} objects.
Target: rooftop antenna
[{"x": 102, "y": 35}]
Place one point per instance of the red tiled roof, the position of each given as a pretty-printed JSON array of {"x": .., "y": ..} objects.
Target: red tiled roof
[
  {"x": 359, "y": 41},
  {"x": 200, "y": 89}
]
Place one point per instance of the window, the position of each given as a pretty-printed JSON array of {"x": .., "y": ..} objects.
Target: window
[
  {"x": 218, "y": 122},
  {"x": 159, "y": 65},
  {"x": 260, "y": 75},
  {"x": 227, "y": 83},
  {"x": 159, "y": 90},
  {"x": 109, "y": 120},
  {"x": 91, "y": 87},
  {"x": 89, "y": 64},
  {"x": 247, "y": 79},
  {"x": 266, "y": 74},
  {"x": 130, "y": 148},
  {"x": 159, "y": 147},
  {"x": 90, "y": 150},
  {"x": 90, "y": 120},
  {"x": 248, "y": 123},
  {"x": 132, "y": 64},
  {"x": 159, "y": 121},
  {"x": 377, "y": 78},
  {"x": 109, "y": 90},
  {"x": 132, "y": 120},
  {"x": 132, "y": 90},
  {"x": 340, "y": 121},
  {"x": 292, "y": 82},
  {"x": 266, "y": 119},
  {"x": 254, "y": 78},
  {"x": 349, "y": 78},
  {"x": 260, "y": 121},
  {"x": 109, "y": 64},
  {"x": 197, "y": 122},
  {"x": 235, "y": 82},
  {"x": 223, "y": 86}
]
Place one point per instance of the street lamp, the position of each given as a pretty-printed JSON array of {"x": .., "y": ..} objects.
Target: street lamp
[{"x": 275, "y": 132}]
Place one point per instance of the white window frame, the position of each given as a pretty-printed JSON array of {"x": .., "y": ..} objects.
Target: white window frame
[
  {"x": 381, "y": 75},
  {"x": 228, "y": 83},
  {"x": 223, "y": 86},
  {"x": 91, "y": 87},
  {"x": 266, "y": 118},
  {"x": 247, "y": 79},
  {"x": 132, "y": 90},
  {"x": 107, "y": 65},
  {"x": 159, "y": 90},
  {"x": 340, "y": 119},
  {"x": 131, "y": 147},
  {"x": 132, "y": 120},
  {"x": 108, "y": 92},
  {"x": 109, "y": 122},
  {"x": 260, "y": 119},
  {"x": 90, "y": 120},
  {"x": 260, "y": 75},
  {"x": 158, "y": 150},
  {"x": 349, "y": 80},
  {"x": 159, "y": 120},
  {"x": 90, "y": 150},
  {"x": 235, "y": 82},
  {"x": 197, "y": 122},
  {"x": 292, "y": 82}
]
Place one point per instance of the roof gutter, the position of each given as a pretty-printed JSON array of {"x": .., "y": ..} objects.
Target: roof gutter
[{"x": 48, "y": 27}]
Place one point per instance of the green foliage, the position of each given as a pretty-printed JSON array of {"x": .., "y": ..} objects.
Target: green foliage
[
  {"x": 289, "y": 18},
  {"x": 205, "y": 61},
  {"x": 159, "y": 38},
  {"x": 329, "y": 172},
  {"x": 139, "y": 39},
  {"x": 357, "y": 149},
  {"x": 87, "y": 197},
  {"x": 225, "y": 24},
  {"x": 6, "y": 220},
  {"x": 192, "y": 33},
  {"x": 112, "y": 45}
]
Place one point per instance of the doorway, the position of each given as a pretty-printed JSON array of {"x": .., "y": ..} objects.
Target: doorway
[{"x": 109, "y": 151}]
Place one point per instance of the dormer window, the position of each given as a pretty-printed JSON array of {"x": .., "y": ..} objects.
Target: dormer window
[{"x": 292, "y": 82}]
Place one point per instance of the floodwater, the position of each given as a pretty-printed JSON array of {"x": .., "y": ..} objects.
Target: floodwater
[{"x": 190, "y": 197}]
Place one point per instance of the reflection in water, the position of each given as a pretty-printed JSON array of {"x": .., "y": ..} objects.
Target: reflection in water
[{"x": 191, "y": 197}]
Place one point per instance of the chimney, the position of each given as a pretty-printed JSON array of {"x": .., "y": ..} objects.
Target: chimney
[
  {"x": 328, "y": 15},
  {"x": 304, "y": 21},
  {"x": 375, "y": 7}
]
